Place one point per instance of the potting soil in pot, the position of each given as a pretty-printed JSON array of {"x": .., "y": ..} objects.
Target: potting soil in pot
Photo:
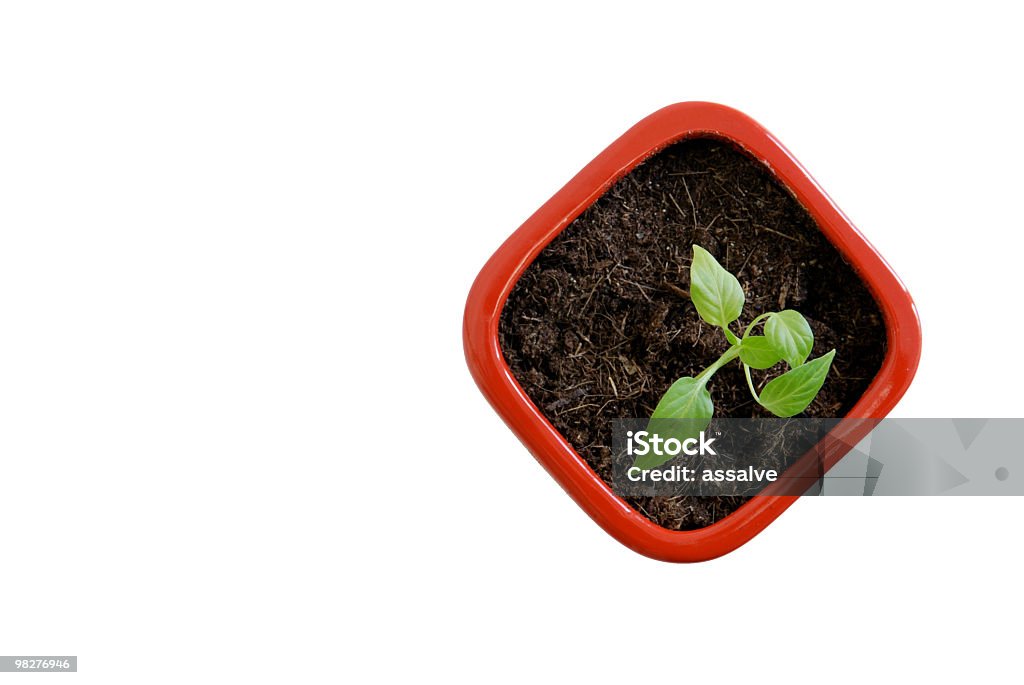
[{"x": 600, "y": 325}]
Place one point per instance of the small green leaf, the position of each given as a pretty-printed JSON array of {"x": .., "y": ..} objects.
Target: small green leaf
[
  {"x": 686, "y": 399},
  {"x": 758, "y": 353},
  {"x": 793, "y": 391},
  {"x": 689, "y": 403},
  {"x": 790, "y": 334},
  {"x": 715, "y": 292}
]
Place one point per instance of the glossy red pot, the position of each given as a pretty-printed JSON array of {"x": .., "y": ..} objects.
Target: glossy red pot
[{"x": 496, "y": 279}]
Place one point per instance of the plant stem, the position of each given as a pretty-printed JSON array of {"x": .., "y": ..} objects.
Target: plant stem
[
  {"x": 729, "y": 355},
  {"x": 755, "y": 322},
  {"x": 750, "y": 383}
]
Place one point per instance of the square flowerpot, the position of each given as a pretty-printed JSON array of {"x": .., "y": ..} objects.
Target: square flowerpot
[{"x": 498, "y": 277}]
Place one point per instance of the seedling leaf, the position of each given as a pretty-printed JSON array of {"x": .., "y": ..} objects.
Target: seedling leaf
[
  {"x": 716, "y": 293},
  {"x": 689, "y": 404},
  {"x": 686, "y": 399},
  {"x": 790, "y": 334},
  {"x": 793, "y": 391},
  {"x": 757, "y": 352}
]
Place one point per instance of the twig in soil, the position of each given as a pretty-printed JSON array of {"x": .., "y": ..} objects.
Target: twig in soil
[
  {"x": 621, "y": 328},
  {"x": 644, "y": 511},
  {"x": 745, "y": 261},
  {"x": 617, "y": 345},
  {"x": 587, "y": 302},
  {"x": 779, "y": 233},
  {"x": 742, "y": 406},
  {"x": 692, "y": 206},
  {"x": 639, "y": 287},
  {"x": 677, "y": 290},
  {"x": 582, "y": 406},
  {"x": 578, "y": 353},
  {"x": 681, "y": 212}
]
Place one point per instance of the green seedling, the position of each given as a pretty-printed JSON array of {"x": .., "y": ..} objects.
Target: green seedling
[{"x": 786, "y": 337}]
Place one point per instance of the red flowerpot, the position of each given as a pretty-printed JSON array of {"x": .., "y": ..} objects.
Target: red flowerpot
[{"x": 553, "y": 451}]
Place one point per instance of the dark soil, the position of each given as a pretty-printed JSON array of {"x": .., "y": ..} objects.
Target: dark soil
[{"x": 600, "y": 324}]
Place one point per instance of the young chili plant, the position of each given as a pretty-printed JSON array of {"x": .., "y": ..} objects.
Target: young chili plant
[{"x": 786, "y": 336}]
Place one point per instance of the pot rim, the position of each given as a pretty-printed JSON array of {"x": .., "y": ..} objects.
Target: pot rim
[{"x": 495, "y": 281}]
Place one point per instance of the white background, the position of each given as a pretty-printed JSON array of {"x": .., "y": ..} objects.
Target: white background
[{"x": 235, "y": 244}]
